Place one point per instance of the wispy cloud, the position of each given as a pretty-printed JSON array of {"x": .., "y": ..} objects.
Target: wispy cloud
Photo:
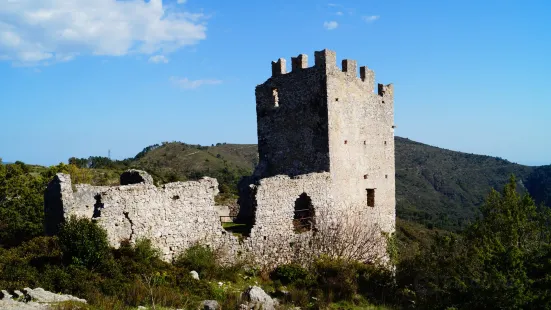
[
  {"x": 339, "y": 13},
  {"x": 186, "y": 83},
  {"x": 370, "y": 18},
  {"x": 45, "y": 32},
  {"x": 181, "y": 1},
  {"x": 330, "y": 25},
  {"x": 157, "y": 59}
]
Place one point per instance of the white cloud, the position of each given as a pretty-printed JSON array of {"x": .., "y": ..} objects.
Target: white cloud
[
  {"x": 157, "y": 59},
  {"x": 339, "y": 13},
  {"x": 371, "y": 18},
  {"x": 47, "y": 31},
  {"x": 186, "y": 83},
  {"x": 330, "y": 25},
  {"x": 181, "y": 1}
]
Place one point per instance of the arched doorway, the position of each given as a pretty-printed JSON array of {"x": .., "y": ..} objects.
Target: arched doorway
[{"x": 303, "y": 219}]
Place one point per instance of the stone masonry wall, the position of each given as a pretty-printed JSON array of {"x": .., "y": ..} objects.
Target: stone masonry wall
[
  {"x": 178, "y": 215},
  {"x": 173, "y": 216},
  {"x": 292, "y": 122},
  {"x": 361, "y": 141}
]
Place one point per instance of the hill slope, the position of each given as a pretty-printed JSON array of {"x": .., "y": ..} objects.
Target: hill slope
[{"x": 443, "y": 187}]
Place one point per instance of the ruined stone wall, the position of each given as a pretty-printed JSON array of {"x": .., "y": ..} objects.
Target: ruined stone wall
[
  {"x": 173, "y": 217},
  {"x": 273, "y": 235}
]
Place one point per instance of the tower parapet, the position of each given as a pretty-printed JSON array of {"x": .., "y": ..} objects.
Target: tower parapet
[{"x": 326, "y": 60}]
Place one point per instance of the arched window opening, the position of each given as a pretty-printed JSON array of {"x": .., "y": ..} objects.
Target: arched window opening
[{"x": 304, "y": 214}]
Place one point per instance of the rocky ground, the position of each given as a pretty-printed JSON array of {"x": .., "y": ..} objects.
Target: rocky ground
[
  {"x": 37, "y": 298},
  {"x": 31, "y": 299}
]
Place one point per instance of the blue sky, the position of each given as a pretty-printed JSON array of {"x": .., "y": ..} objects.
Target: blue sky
[{"x": 78, "y": 78}]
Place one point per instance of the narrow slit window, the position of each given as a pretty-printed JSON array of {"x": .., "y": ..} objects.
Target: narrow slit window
[
  {"x": 370, "y": 197},
  {"x": 275, "y": 97}
]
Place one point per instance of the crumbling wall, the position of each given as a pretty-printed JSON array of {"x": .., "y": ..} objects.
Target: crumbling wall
[
  {"x": 273, "y": 235},
  {"x": 173, "y": 216},
  {"x": 177, "y": 215}
]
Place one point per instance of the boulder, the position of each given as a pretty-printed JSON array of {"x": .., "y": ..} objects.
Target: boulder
[
  {"x": 41, "y": 295},
  {"x": 134, "y": 176},
  {"x": 257, "y": 298}
]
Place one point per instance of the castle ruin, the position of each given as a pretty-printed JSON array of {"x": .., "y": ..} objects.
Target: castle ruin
[{"x": 326, "y": 157}]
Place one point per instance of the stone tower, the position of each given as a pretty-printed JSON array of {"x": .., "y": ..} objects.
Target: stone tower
[{"x": 327, "y": 119}]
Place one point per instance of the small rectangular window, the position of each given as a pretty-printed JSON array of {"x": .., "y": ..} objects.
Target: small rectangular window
[
  {"x": 370, "y": 197},
  {"x": 275, "y": 97}
]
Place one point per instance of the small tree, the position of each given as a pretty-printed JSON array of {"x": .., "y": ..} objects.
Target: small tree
[{"x": 83, "y": 242}]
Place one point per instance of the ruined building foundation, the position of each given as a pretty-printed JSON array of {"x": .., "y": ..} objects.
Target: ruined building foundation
[{"x": 326, "y": 157}]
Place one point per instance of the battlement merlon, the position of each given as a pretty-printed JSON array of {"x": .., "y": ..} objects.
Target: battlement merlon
[
  {"x": 350, "y": 67},
  {"x": 299, "y": 62},
  {"x": 325, "y": 59},
  {"x": 385, "y": 90},
  {"x": 368, "y": 77},
  {"x": 279, "y": 67}
]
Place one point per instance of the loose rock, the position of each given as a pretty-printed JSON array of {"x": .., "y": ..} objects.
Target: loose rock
[
  {"x": 256, "y": 297},
  {"x": 210, "y": 305},
  {"x": 194, "y": 274}
]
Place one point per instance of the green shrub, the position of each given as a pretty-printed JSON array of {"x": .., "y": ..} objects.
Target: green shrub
[
  {"x": 289, "y": 273},
  {"x": 83, "y": 243},
  {"x": 336, "y": 278},
  {"x": 377, "y": 284},
  {"x": 199, "y": 258}
]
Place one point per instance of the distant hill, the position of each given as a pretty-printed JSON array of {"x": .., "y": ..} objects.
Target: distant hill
[
  {"x": 444, "y": 188},
  {"x": 434, "y": 187}
]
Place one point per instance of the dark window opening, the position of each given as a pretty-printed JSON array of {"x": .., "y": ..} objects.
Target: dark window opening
[
  {"x": 385, "y": 142},
  {"x": 98, "y": 206},
  {"x": 365, "y": 176},
  {"x": 176, "y": 197},
  {"x": 304, "y": 214},
  {"x": 370, "y": 197},
  {"x": 345, "y": 141},
  {"x": 275, "y": 97}
]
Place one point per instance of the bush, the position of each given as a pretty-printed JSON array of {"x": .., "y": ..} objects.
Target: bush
[
  {"x": 83, "y": 243},
  {"x": 377, "y": 284},
  {"x": 289, "y": 273},
  {"x": 336, "y": 278},
  {"x": 199, "y": 258}
]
